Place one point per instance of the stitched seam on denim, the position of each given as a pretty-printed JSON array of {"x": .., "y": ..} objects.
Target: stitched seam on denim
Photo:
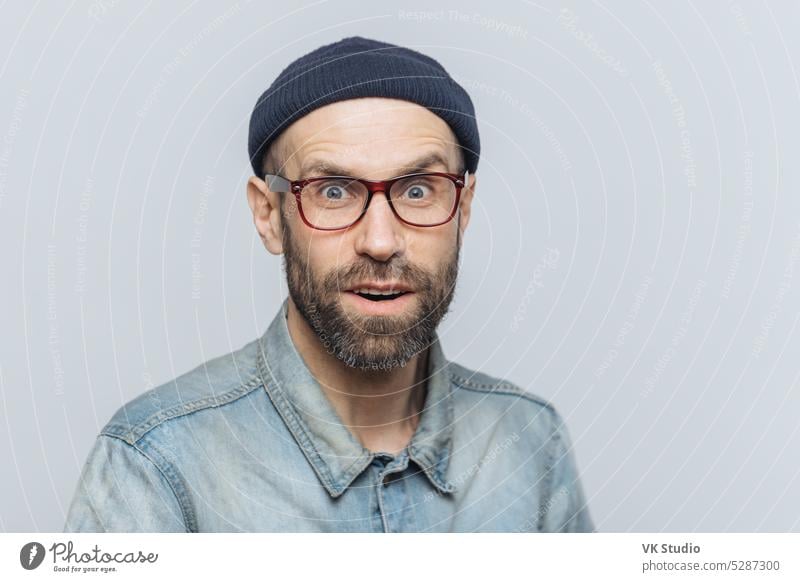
[
  {"x": 430, "y": 471},
  {"x": 347, "y": 472},
  {"x": 434, "y": 473},
  {"x": 135, "y": 433},
  {"x": 438, "y": 481},
  {"x": 444, "y": 462},
  {"x": 572, "y": 511},
  {"x": 381, "y": 508},
  {"x": 178, "y": 483},
  {"x": 500, "y": 388},
  {"x": 279, "y": 401},
  {"x": 293, "y": 423},
  {"x": 184, "y": 513},
  {"x": 296, "y": 427},
  {"x": 508, "y": 389},
  {"x": 555, "y": 436}
]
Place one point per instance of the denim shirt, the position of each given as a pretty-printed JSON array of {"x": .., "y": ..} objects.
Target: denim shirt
[{"x": 249, "y": 442}]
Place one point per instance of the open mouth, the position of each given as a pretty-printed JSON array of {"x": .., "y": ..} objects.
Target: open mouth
[{"x": 387, "y": 297}]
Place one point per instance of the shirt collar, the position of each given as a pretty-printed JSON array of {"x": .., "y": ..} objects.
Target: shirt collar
[{"x": 333, "y": 451}]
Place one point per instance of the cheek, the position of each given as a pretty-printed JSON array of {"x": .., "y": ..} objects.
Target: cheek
[
  {"x": 325, "y": 255},
  {"x": 430, "y": 251}
]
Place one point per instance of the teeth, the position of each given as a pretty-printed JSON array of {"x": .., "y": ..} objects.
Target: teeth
[{"x": 376, "y": 292}]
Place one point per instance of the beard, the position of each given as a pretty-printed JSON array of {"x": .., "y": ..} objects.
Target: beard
[{"x": 370, "y": 342}]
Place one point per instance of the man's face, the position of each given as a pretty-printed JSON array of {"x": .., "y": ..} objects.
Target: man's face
[{"x": 374, "y": 139}]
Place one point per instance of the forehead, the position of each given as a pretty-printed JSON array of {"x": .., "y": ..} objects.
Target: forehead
[{"x": 369, "y": 136}]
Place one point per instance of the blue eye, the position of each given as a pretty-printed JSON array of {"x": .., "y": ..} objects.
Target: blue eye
[
  {"x": 415, "y": 192},
  {"x": 333, "y": 193}
]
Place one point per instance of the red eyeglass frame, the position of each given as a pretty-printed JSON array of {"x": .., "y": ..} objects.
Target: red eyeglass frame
[{"x": 280, "y": 184}]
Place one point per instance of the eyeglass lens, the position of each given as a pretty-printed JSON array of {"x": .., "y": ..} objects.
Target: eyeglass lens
[{"x": 338, "y": 202}]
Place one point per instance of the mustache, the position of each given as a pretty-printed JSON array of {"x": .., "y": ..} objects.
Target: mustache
[{"x": 411, "y": 275}]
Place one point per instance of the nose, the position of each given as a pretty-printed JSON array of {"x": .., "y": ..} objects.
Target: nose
[{"x": 379, "y": 232}]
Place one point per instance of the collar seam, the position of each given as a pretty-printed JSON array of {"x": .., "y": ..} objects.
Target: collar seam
[
  {"x": 300, "y": 432},
  {"x": 298, "y": 429},
  {"x": 433, "y": 473}
]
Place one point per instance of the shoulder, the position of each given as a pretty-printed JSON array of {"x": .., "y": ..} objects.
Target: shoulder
[
  {"x": 482, "y": 394},
  {"x": 214, "y": 383},
  {"x": 481, "y": 383}
]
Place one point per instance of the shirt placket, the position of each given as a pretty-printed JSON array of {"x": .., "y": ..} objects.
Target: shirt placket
[{"x": 392, "y": 492}]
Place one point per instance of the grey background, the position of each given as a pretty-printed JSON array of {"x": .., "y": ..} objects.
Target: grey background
[{"x": 633, "y": 254}]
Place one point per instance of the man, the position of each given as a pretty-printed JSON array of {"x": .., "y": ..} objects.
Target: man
[{"x": 345, "y": 415}]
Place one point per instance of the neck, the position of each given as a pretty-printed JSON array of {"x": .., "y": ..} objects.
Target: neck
[{"x": 380, "y": 407}]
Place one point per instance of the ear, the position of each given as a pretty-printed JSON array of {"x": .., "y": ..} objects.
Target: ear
[
  {"x": 266, "y": 208},
  {"x": 465, "y": 204}
]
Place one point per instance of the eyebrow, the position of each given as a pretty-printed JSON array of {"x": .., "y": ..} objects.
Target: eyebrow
[{"x": 324, "y": 168}]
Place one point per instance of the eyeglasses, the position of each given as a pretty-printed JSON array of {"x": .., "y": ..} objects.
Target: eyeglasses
[{"x": 337, "y": 202}]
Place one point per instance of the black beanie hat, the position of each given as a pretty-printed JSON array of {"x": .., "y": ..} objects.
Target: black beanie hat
[{"x": 360, "y": 67}]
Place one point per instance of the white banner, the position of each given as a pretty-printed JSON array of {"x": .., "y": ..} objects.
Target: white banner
[{"x": 401, "y": 557}]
